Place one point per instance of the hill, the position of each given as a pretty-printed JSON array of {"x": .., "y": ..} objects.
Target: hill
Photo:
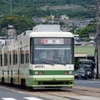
[{"x": 33, "y": 7}]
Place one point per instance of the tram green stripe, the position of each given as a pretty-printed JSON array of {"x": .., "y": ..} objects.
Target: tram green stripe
[{"x": 50, "y": 72}]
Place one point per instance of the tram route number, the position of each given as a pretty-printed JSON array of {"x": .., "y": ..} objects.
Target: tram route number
[{"x": 39, "y": 66}]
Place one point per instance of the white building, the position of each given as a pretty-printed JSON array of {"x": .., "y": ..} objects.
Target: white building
[{"x": 64, "y": 17}]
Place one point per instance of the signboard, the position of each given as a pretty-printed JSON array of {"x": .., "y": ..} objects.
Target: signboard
[
  {"x": 84, "y": 62},
  {"x": 11, "y": 17},
  {"x": 52, "y": 41}
]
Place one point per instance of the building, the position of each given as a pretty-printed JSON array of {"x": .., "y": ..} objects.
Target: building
[{"x": 11, "y": 32}]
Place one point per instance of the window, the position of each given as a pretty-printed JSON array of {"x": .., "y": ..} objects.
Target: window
[
  {"x": 26, "y": 54},
  {"x": 15, "y": 53},
  {"x": 22, "y": 55},
  {"x": 0, "y": 60},
  {"x": 10, "y": 58},
  {"x": 51, "y": 51},
  {"x": 5, "y": 59}
]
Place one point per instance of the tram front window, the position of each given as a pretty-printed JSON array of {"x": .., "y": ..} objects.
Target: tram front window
[
  {"x": 50, "y": 53},
  {"x": 50, "y": 56}
]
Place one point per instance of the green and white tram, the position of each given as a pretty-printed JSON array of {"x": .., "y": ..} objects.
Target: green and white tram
[{"x": 39, "y": 59}]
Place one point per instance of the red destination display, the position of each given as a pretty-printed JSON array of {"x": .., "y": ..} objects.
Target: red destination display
[{"x": 52, "y": 41}]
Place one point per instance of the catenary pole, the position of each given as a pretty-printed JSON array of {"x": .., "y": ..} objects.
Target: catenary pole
[{"x": 98, "y": 37}]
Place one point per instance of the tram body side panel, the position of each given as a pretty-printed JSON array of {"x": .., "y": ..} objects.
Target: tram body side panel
[
  {"x": 2, "y": 67},
  {"x": 23, "y": 62},
  {"x": 5, "y": 64},
  {"x": 11, "y": 68}
]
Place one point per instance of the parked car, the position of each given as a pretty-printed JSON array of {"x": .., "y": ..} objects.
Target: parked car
[{"x": 81, "y": 74}]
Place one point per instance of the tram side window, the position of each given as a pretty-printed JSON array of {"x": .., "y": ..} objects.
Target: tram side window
[
  {"x": 15, "y": 57},
  {"x": 27, "y": 54},
  {"x": 22, "y": 55},
  {"x": 10, "y": 58},
  {"x": 1, "y": 60},
  {"x": 5, "y": 59}
]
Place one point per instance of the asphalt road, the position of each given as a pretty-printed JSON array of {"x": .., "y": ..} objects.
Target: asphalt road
[
  {"x": 13, "y": 94},
  {"x": 8, "y": 94},
  {"x": 88, "y": 83}
]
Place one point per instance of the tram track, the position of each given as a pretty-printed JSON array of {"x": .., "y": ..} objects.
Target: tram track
[{"x": 62, "y": 94}]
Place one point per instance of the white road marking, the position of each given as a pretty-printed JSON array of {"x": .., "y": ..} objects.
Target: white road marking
[
  {"x": 9, "y": 99},
  {"x": 32, "y": 98},
  {"x": 28, "y": 98}
]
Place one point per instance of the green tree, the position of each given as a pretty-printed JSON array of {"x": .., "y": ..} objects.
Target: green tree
[
  {"x": 20, "y": 23},
  {"x": 84, "y": 32}
]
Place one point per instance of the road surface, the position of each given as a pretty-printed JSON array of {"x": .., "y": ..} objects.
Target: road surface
[
  {"x": 83, "y": 90},
  {"x": 87, "y": 83}
]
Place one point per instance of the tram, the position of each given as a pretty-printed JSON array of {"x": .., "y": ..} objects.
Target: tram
[{"x": 39, "y": 59}]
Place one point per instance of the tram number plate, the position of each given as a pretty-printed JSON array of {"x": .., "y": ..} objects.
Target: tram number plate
[{"x": 39, "y": 66}]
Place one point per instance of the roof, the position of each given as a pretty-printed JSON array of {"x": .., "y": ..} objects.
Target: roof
[
  {"x": 42, "y": 28},
  {"x": 80, "y": 55},
  {"x": 51, "y": 34}
]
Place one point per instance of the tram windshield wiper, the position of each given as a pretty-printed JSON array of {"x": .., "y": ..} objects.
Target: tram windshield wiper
[
  {"x": 46, "y": 62},
  {"x": 59, "y": 62}
]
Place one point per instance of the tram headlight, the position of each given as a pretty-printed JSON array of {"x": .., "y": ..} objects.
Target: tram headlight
[
  {"x": 36, "y": 72},
  {"x": 70, "y": 72}
]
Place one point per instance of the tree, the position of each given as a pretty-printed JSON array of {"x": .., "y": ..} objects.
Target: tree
[
  {"x": 20, "y": 23},
  {"x": 84, "y": 32}
]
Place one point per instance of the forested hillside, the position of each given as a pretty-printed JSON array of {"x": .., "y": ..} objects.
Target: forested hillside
[
  {"x": 26, "y": 9},
  {"x": 49, "y": 2},
  {"x": 55, "y": 2},
  {"x": 33, "y": 7}
]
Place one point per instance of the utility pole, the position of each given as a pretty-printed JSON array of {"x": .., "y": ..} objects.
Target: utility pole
[
  {"x": 10, "y": 6},
  {"x": 98, "y": 38}
]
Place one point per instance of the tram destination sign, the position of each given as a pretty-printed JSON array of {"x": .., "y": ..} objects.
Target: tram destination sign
[{"x": 52, "y": 41}]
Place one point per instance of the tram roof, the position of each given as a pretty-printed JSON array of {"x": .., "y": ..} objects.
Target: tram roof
[{"x": 51, "y": 34}]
